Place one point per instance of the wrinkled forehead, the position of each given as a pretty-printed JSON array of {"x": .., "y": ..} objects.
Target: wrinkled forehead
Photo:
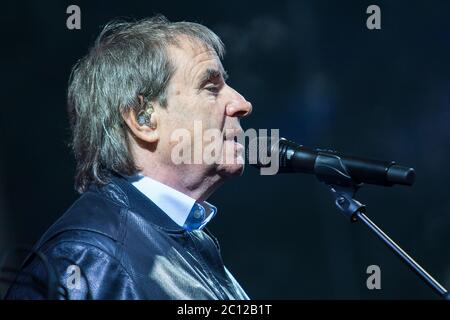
[{"x": 191, "y": 57}]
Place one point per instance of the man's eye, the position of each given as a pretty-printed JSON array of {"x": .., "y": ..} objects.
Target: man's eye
[{"x": 213, "y": 89}]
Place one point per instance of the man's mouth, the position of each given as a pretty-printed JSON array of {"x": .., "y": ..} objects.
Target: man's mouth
[
  {"x": 232, "y": 135},
  {"x": 232, "y": 138}
]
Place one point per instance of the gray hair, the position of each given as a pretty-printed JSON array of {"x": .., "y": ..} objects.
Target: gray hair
[{"x": 128, "y": 59}]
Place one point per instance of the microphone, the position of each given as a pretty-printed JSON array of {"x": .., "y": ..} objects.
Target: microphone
[{"x": 329, "y": 166}]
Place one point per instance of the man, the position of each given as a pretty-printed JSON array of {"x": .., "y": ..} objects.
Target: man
[{"x": 138, "y": 229}]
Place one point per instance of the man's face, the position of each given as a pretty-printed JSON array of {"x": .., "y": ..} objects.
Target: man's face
[{"x": 201, "y": 103}]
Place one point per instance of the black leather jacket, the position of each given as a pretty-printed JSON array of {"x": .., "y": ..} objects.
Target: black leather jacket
[{"x": 124, "y": 247}]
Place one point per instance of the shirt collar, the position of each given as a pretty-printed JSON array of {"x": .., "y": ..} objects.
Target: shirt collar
[{"x": 182, "y": 209}]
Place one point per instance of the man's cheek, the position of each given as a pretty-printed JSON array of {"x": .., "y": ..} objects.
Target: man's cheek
[{"x": 229, "y": 152}]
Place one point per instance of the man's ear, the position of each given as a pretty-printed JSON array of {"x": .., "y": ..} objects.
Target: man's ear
[{"x": 143, "y": 125}]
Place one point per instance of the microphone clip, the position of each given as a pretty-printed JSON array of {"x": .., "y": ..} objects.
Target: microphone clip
[
  {"x": 334, "y": 174},
  {"x": 345, "y": 202}
]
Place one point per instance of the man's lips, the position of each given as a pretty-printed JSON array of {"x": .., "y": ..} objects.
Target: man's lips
[{"x": 232, "y": 136}]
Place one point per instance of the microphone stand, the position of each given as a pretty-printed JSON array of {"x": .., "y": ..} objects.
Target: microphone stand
[
  {"x": 343, "y": 191},
  {"x": 332, "y": 172}
]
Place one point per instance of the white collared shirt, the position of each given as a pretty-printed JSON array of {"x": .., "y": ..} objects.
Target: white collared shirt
[{"x": 177, "y": 205}]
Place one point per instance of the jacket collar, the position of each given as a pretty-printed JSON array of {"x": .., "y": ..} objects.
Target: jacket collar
[
  {"x": 181, "y": 208},
  {"x": 129, "y": 196},
  {"x": 90, "y": 213}
]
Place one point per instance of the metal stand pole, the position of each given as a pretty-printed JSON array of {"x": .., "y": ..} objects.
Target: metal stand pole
[{"x": 354, "y": 210}]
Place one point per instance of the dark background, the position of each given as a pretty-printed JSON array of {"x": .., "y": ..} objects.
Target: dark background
[{"x": 311, "y": 69}]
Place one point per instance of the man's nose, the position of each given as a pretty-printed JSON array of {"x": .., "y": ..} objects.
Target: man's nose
[{"x": 238, "y": 106}]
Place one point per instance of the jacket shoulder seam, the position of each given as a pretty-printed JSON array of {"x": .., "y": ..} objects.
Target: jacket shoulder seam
[{"x": 92, "y": 247}]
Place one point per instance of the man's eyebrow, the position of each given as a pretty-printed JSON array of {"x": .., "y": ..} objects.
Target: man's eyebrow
[{"x": 210, "y": 74}]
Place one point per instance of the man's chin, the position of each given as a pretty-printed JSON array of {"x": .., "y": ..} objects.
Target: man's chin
[
  {"x": 231, "y": 170},
  {"x": 232, "y": 163}
]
